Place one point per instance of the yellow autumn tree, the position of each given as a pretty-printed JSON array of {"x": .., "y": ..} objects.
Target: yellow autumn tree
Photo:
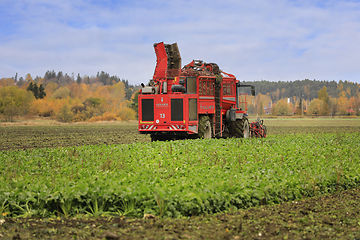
[
  {"x": 28, "y": 78},
  {"x": 50, "y": 89},
  {"x": 354, "y": 105},
  {"x": 282, "y": 107},
  {"x": 14, "y": 102},
  {"x": 315, "y": 107},
  {"x": 42, "y": 107},
  {"x": 324, "y": 97},
  {"x": 342, "y": 102}
]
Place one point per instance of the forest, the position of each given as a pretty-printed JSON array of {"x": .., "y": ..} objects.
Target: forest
[
  {"x": 103, "y": 97},
  {"x": 68, "y": 98},
  {"x": 309, "y": 97},
  {"x": 308, "y": 88}
]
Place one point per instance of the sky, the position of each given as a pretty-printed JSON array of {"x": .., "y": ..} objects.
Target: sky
[{"x": 273, "y": 40}]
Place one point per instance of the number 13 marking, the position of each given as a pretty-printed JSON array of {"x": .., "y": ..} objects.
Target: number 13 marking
[{"x": 162, "y": 115}]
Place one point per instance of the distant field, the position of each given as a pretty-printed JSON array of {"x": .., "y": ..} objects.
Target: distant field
[
  {"x": 310, "y": 125},
  {"x": 47, "y": 133},
  {"x": 67, "y": 135},
  {"x": 305, "y": 122}
]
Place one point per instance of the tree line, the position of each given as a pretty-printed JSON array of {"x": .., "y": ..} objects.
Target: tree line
[
  {"x": 68, "y": 98},
  {"x": 105, "y": 97},
  {"x": 305, "y": 97},
  {"x": 322, "y": 105},
  {"x": 307, "y": 89}
]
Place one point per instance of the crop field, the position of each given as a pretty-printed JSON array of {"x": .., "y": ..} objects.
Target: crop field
[
  {"x": 94, "y": 185},
  {"x": 68, "y": 135},
  {"x": 311, "y": 125}
]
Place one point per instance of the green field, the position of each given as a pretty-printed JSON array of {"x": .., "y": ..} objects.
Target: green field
[{"x": 110, "y": 173}]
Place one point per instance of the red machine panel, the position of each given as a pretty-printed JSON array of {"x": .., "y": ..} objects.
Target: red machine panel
[{"x": 207, "y": 107}]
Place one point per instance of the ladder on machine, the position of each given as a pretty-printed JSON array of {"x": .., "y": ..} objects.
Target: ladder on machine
[{"x": 218, "y": 82}]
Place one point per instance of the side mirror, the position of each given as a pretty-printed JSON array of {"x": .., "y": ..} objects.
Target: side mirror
[{"x": 253, "y": 90}]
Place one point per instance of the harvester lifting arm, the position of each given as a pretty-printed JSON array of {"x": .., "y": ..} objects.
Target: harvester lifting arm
[{"x": 227, "y": 74}]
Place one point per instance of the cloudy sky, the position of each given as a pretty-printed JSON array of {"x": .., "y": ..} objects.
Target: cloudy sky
[{"x": 255, "y": 40}]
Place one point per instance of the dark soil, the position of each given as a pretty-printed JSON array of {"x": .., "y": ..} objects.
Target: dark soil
[
  {"x": 335, "y": 216},
  {"x": 27, "y": 137}
]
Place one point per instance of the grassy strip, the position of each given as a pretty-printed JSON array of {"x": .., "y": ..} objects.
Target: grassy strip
[{"x": 181, "y": 178}]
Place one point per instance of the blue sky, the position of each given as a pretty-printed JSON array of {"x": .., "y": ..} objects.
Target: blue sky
[{"x": 277, "y": 40}]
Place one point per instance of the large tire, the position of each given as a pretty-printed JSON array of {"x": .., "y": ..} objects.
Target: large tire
[
  {"x": 240, "y": 128},
  {"x": 204, "y": 127}
]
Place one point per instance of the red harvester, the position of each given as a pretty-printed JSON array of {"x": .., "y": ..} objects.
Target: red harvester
[{"x": 196, "y": 101}]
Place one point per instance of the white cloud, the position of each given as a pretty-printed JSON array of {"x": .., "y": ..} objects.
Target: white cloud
[{"x": 254, "y": 40}]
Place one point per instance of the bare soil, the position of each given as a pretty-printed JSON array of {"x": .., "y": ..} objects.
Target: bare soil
[
  {"x": 335, "y": 216},
  {"x": 27, "y": 135}
]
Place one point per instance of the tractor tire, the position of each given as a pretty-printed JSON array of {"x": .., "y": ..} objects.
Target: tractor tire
[
  {"x": 240, "y": 128},
  {"x": 204, "y": 127}
]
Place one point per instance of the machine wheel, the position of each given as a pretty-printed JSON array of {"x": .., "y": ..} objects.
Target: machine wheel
[
  {"x": 240, "y": 128},
  {"x": 204, "y": 128}
]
